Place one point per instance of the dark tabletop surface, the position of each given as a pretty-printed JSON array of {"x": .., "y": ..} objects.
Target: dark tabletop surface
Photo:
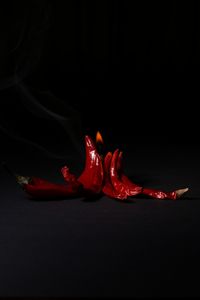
[{"x": 145, "y": 247}]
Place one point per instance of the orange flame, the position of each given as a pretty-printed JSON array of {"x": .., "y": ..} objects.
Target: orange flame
[{"x": 99, "y": 139}]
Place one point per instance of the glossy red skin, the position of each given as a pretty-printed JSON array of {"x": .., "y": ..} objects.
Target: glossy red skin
[
  {"x": 117, "y": 184},
  {"x": 133, "y": 189},
  {"x": 108, "y": 188},
  {"x": 114, "y": 186},
  {"x": 89, "y": 182},
  {"x": 70, "y": 178},
  {"x": 159, "y": 194},
  {"x": 92, "y": 176},
  {"x": 40, "y": 188}
]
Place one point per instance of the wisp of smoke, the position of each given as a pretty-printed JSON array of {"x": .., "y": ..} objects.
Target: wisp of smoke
[{"x": 28, "y": 50}]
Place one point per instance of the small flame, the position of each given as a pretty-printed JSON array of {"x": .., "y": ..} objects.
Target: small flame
[{"x": 99, "y": 139}]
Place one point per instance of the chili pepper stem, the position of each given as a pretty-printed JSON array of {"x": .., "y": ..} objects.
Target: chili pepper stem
[
  {"x": 21, "y": 180},
  {"x": 180, "y": 192}
]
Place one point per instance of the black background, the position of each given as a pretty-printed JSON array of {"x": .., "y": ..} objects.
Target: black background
[
  {"x": 129, "y": 67},
  {"x": 131, "y": 70}
]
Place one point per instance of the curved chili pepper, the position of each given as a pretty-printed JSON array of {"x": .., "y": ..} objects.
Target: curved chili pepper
[
  {"x": 40, "y": 188},
  {"x": 92, "y": 176},
  {"x": 108, "y": 188},
  {"x": 133, "y": 189},
  {"x": 159, "y": 194},
  {"x": 70, "y": 178},
  {"x": 117, "y": 184},
  {"x": 119, "y": 187}
]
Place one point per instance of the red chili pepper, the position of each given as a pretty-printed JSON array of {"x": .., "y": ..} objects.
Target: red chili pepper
[
  {"x": 40, "y": 188},
  {"x": 159, "y": 194},
  {"x": 92, "y": 176},
  {"x": 70, "y": 178},
  {"x": 133, "y": 189},
  {"x": 108, "y": 188},
  {"x": 119, "y": 187}
]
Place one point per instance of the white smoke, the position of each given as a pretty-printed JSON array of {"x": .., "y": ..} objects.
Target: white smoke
[{"x": 28, "y": 51}]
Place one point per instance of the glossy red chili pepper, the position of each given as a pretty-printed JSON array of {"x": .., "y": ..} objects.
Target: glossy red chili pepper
[
  {"x": 70, "y": 178},
  {"x": 159, "y": 194},
  {"x": 92, "y": 176},
  {"x": 133, "y": 189},
  {"x": 108, "y": 188},
  {"x": 40, "y": 188},
  {"x": 118, "y": 185}
]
